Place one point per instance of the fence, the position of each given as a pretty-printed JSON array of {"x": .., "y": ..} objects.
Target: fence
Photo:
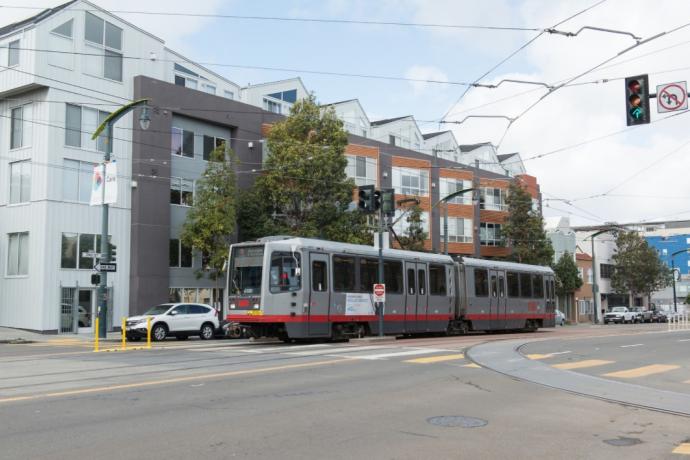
[{"x": 679, "y": 322}]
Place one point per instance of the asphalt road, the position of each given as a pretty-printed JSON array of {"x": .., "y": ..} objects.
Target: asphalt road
[{"x": 232, "y": 399}]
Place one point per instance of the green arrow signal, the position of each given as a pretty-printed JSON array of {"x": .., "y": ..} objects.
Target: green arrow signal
[{"x": 637, "y": 113}]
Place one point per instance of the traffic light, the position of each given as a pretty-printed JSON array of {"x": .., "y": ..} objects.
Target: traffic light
[
  {"x": 637, "y": 100},
  {"x": 388, "y": 201},
  {"x": 377, "y": 199},
  {"x": 366, "y": 198}
]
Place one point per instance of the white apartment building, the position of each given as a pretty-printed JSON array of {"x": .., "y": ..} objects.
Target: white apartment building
[
  {"x": 277, "y": 97},
  {"x": 61, "y": 72}
]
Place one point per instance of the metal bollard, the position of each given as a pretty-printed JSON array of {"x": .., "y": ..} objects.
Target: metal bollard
[
  {"x": 148, "y": 332},
  {"x": 95, "y": 335}
]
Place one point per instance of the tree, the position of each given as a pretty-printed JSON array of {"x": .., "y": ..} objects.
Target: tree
[
  {"x": 414, "y": 236},
  {"x": 524, "y": 229},
  {"x": 687, "y": 299},
  {"x": 210, "y": 223},
  {"x": 638, "y": 269},
  {"x": 567, "y": 275},
  {"x": 304, "y": 190}
]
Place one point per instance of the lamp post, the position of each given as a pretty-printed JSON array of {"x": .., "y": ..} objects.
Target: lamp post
[
  {"x": 595, "y": 284},
  {"x": 107, "y": 125},
  {"x": 673, "y": 272},
  {"x": 445, "y": 213}
]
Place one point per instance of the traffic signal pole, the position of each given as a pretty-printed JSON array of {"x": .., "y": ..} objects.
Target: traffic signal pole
[{"x": 381, "y": 305}]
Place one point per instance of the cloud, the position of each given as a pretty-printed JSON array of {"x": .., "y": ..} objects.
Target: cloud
[{"x": 422, "y": 72}]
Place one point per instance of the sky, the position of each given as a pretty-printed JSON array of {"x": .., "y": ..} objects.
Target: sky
[{"x": 589, "y": 165}]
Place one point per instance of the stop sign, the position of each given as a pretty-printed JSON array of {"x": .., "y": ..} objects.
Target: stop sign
[{"x": 379, "y": 292}]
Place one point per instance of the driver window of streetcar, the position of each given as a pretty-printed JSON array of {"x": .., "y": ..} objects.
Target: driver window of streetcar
[{"x": 284, "y": 273}]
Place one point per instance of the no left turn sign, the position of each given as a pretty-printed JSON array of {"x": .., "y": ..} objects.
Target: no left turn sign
[{"x": 672, "y": 97}]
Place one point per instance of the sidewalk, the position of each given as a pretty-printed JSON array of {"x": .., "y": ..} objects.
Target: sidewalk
[{"x": 9, "y": 335}]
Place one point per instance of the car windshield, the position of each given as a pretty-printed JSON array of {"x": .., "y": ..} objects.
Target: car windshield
[
  {"x": 158, "y": 309},
  {"x": 618, "y": 309}
]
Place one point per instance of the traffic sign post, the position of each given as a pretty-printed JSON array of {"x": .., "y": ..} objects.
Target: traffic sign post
[
  {"x": 379, "y": 293},
  {"x": 672, "y": 97}
]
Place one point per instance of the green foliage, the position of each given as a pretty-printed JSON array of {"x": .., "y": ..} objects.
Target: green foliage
[
  {"x": 687, "y": 299},
  {"x": 567, "y": 275},
  {"x": 210, "y": 223},
  {"x": 304, "y": 190},
  {"x": 524, "y": 229},
  {"x": 413, "y": 238},
  {"x": 638, "y": 269}
]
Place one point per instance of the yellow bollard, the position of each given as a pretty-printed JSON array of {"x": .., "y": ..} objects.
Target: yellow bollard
[
  {"x": 95, "y": 335},
  {"x": 148, "y": 332},
  {"x": 124, "y": 335}
]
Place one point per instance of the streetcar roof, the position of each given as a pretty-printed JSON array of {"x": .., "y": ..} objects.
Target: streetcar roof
[
  {"x": 346, "y": 248},
  {"x": 500, "y": 265}
]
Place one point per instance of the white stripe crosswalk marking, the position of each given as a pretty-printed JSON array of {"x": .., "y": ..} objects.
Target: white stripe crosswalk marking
[
  {"x": 332, "y": 351},
  {"x": 633, "y": 345},
  {"x": 424, "y": 351}
]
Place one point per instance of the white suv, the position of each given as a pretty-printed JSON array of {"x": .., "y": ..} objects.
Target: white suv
[{"x": 178, "y": 319}]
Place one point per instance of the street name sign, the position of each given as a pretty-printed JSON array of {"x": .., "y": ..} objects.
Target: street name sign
[
  {"x": 672, "y": 97},
  {"x": 379, "y": 293},
  {"x": 104, "y": 267},
  {"x": 97, "y": 255}
]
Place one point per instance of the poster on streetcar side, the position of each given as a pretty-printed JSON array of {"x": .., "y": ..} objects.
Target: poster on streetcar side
[{"x": 358, "y": 304}]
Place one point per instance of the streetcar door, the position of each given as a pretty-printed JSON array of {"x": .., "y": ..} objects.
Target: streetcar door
[
  {"x": 318, "y": 324},
  {"x": 422, "y": 298},
  {"x": 410, "y": 297},
  {"x": 502, "y": 301},
  {"x": 494, "y": 306}
]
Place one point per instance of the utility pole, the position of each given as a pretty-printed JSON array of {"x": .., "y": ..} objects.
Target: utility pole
[
  {"x": 434, "y": 153},
  {"x": 381, "y": 305},
  {"x": 107, "y": 125},
  {"x": 595, "y": 284},
  {"x": 673, "y": 272},
  {"x": 476, "y": 197}
]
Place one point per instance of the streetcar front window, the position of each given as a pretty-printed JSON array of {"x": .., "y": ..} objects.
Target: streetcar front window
[
  {"x": 285, "y": 272},
  {"x": 247, "y": 267}
]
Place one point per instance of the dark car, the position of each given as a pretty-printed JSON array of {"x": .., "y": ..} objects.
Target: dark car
[{"x": 659, "y": 316}]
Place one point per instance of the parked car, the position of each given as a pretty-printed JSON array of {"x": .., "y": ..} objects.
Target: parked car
[
  {"x": 659, "y": 316},
  {"x": 619, "y": 315},
  {"x": 642, "y": 315},
  {"x": 560, "y": 318},
  {"x": 175, "y": 319}
]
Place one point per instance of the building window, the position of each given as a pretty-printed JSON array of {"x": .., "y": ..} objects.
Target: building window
[
  {"x": 490, "y": 234},
  {"x": 391, "y": 139},
  {"x": 207, "y": 88},
  {"x": 181, "y": 191},
  {"x": 606, "y": 271},
  {"x": 287, "y": 96},
  {"x": 228, "y": 94},
  {"x": 18, "y": 254},
  {"x": 210, "y": 144},
  {"x": 105, "y": 40},
  {"x": 80, "y": 124},
  {"x": 449, "y": 186},
  {"x": 182, "y": 142},
  {"x": 64, "y": 30},
  {"x": 272, "y": 106},
  {"x": 13, "y": 54},
  {"x": 74, "y": 245},
  {"x": 402, "y": 227},
  {"x": 76, "y": 180},
  {"x": 409, "y": 181},
  {"x": 459, "y": 230},
  {"x": 186, "y": 82},
  {"x": 180, "y": 255},
  {"x": 589, "y": 276},
  {"x": 361, "y": 169},
  {"x": 20, "y": 131},
  {"x": 493, "y": 199},
  {"x": 20, "y": 182}
]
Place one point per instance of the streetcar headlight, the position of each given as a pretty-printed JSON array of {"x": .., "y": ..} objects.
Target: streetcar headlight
[
  {"x": 232, "y": 306},
  {"x": 256, "y": 306}
]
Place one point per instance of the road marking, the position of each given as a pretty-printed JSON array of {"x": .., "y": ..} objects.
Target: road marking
[
  {"x": 643, "y": 371},
  {"x": 399, "y": 353},
  {"x": 582, "y": 364},
  {"x": 683, "y": 449},
  {"x": 539, "y": 356},
  {"x": 473, "y": 365},
  {"x": 436, "y": 359},
  {"x": 330, "y": 351},
  {"x": 684, "y": 340},
  {"x": 151, "y": 383},
  {"x": 633, "y": 345}
]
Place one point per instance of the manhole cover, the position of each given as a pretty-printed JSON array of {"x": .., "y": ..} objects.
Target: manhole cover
[
  {"x": 457, "y": 421},
  {"x": 622, "y": 442}
]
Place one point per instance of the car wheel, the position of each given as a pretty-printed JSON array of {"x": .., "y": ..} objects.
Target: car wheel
[
  {"x": 207, "y": 331},
  {"x": 159, "y": 332}
]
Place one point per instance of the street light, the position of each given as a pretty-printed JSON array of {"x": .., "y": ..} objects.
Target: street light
[
  {"x": 107, "y": 125},
  {"x": 673, "y": 271},
  {"x": 595, "y": 285},
  {"x": 445, "y": 214}
]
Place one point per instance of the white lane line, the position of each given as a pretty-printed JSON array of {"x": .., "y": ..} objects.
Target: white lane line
[
  {"x": 560, "y": 353},
  {"x": 633, "y": 345},
  {"x": 332, "y": 351},
  {"x": 399, "y": 353},
  {"x": 684, "y": 340}
]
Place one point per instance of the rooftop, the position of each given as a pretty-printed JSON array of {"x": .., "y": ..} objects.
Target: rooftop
[
  {"x": 470, "y": 147},
  {"x": 437, "y": 133},
  {"x": 388, "y": 120},
  {"x": 33, "y": 19}
]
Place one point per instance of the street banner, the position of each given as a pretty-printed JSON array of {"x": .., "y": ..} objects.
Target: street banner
[
  {"x": 101, "y": 179},
  {"x": 111, "y": 183},
  {"x": 97, "y": 186}
]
